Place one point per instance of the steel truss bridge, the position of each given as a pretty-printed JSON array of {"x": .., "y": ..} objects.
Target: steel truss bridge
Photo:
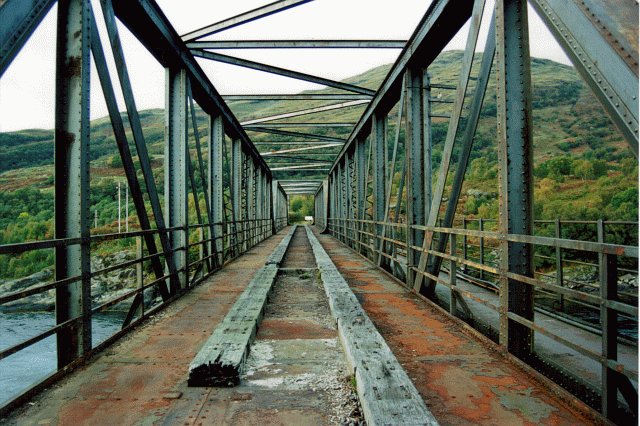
[{"x": 408, "y": 229}]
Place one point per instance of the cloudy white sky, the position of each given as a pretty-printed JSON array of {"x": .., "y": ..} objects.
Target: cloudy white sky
[{"x": 27, "y": 87}]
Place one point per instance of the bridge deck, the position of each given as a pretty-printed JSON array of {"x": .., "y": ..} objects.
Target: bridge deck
[{"x": 143, "y": 378}]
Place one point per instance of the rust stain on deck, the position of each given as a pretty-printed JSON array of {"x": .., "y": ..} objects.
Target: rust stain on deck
[{"x": 463, "y": 381}]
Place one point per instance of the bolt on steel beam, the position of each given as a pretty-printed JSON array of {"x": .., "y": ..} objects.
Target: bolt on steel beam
[
  {"x": 72, "y": 215},
  {"x": 515, "y": 155},
  {"x": 19, "y": 19},
  {"x": 176, "y": 165}
]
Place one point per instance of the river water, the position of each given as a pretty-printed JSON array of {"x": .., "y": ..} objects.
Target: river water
[{"x": 29, "y": 366}]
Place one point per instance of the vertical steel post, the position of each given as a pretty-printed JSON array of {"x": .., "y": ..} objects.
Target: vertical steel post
[
  {"x": 453, "y": 270},
  {"x": 559, "y": 270},
  {"x": 609, "y": 322},
  {"x": 515, "y": 153},
  {"x": 481, "y": 228},
  {"x": 379, "y": 141},
  {"x": 72, "y": 214},
  {"x": 361, "y": 177},
  {"x": 139, "y": 274},
  {"x": 415, "y": 166},
  {"x": 236, "y": 192},
  {"x": 176, "y": 166},
  {"x": 274, "y": 206},
  {"x": 465, "y": 242},
  {"x": 427, "y": 142},
  {"x": 216, "y": 141},
  {"x": 259, "y": 206}
]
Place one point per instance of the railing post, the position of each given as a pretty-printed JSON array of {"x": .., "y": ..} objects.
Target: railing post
[
  {"x": 139, "y": 275},
  {"x": 72, "y": 214},
  {"x": 608, "y": 269},
  {"x": 176, "y": 166},
  {"x": 464, "y": 245},
  {"x": 453, "y": 270},
  {"x": 481, "y": 228},
  {"x": 559, "y": 270}
]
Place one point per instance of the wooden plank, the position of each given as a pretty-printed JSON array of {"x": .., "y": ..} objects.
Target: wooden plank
[
  {"x": 221, "y": 360},
  {"x": 386, "y": 393}
]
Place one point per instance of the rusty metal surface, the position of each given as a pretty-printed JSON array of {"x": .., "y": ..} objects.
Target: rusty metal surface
[
  {"x": 617, "y": 21},
  {"x": 142, "y": 379},
  {"x": 462, "y": 380}
]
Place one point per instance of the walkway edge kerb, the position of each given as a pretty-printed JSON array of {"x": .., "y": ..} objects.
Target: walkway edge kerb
[
  {"x": 386, "y": 392},
  {"x": 221, "y": 360}
]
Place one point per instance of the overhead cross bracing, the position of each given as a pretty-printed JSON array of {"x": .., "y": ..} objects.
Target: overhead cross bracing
[{"x": 386, "y": 164}]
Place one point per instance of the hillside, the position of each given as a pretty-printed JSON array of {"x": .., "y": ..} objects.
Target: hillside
[{"x": 583, "y": 167}]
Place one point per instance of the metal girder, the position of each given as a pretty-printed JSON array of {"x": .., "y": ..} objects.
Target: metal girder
[
  {"x": 138, "y": 138},
  {"x": 415, "y": 167},
  {"x": 289, "y": 166},
  {"x": 297, "y": 134},
  {"x": 299, "y": 97},
  {"x": 379, "y": 148},
  {"x": 216, "y": 194},
  {"x": 515, "y": 163},
  {"x": 151, "y": 27},
  {"x": 297, "y": 44},
  {"x": 211, "y": 246},
  {"x": 304, "y": 155},
  {"x": 19, "y": 19},
  {"x": 237, "y": 176},
  {"x": 467, "y": 141},
  {"x": 292, "y": 157},
  {"x": 438, "y": 26},
  {"x": 601, "y": 48},
  {"x": 72, "y": 215},
  {"x": 360, "y": 189},
  {"x": 127, "y": 162},
  {"x": 289, "y": 124},
  {"x": 306, "y": 143},
  {"x": 243, "y": 18},
  {"x": 245, "y": 63},
  {"x": 176, "y": 164},
  {"x": 391, "y": 170},
  {"x": 323, "y": 169},
  {"x": 447, "y": 152},
  {"x": 305, "y": 112},
  {"x": 308, "y": 148}
]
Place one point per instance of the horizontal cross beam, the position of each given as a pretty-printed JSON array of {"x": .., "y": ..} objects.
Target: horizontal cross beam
[
  {"x": 245, "y": 63},
  {"x": 289, "y": 124},
  {"x": 297, "y": 44},
  {"x": 243, "y": 18},
  {"x": 296, "y": 134},
  {"x": 308, "y": 148},
  {"x": 298, "y": 97}
]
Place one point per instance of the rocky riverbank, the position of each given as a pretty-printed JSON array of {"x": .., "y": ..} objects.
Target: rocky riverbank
[{"x": 104, "y": 287}]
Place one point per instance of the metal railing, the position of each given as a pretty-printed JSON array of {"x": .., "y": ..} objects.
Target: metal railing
[{"x": 473, "y": 257}]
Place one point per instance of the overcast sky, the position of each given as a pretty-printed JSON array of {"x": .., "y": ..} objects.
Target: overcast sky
[{"x": 27, "y": 87}]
